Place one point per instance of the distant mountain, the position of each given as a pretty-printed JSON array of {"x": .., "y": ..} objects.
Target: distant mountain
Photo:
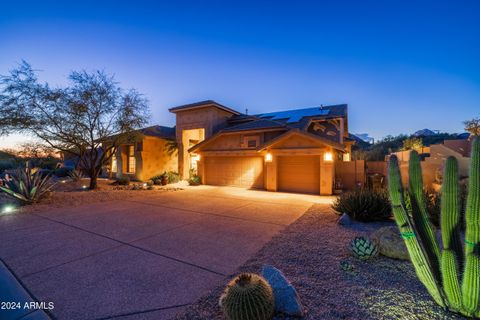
[
  {"x": 464, "y": 135},
  {"x": 424, "y": 133}
]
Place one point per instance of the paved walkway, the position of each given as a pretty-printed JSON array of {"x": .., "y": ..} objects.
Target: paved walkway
[{"x": 145, "y": 258}]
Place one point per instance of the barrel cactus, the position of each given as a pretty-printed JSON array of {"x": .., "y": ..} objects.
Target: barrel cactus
[
  {"x": 363, "y": 248},
  {"x": 452, "y": 274},
  {"x": 248, "y": 297}
]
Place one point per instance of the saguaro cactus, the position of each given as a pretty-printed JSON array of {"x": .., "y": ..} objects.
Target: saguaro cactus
[{"x": 439, "y": 270}]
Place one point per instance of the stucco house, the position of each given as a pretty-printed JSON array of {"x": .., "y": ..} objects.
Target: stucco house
[
  {"x": 146, "y": 156},
  {"x": 292, "y": 151}
]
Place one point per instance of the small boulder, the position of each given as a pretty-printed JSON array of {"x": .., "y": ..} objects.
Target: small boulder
[
  {"x": 287, "y": 300},
  {"x": 345, "y": 220},
  {"x": 390, "y": 243}
]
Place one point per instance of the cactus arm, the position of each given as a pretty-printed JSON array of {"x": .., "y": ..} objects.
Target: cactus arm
[
  {"x": 419, "y": 207},
  {"x": 410, "y": 235},
  {"x": 471, "y": 275},
  {"x": 452, "y": 256}
]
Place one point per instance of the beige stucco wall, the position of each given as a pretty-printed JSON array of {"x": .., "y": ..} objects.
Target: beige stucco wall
[
  {"x": 155, "y": 160},
  {"x": 209, "y": 118},
  {"x": 151, "y": 160}
]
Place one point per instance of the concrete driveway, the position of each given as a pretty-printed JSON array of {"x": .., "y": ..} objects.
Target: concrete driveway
[{"x": 146, "y": 257}]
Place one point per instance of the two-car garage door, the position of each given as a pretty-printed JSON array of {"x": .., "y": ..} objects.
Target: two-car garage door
[
  {"x": 234, "y": 171},
  {"x": 294, "y": 173}
]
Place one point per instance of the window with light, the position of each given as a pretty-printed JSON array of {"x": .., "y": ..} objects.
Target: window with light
[
  {"x": 114, "y": 163},
  {"x": 131, "y": 159}
]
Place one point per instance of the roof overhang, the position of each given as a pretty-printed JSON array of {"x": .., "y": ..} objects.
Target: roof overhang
[
  {"x": 292, "y": 132},
  {"x": 203, "y": 104}
]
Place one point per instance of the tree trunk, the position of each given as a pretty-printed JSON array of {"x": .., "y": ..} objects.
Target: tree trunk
[{"x": 93, "y": 179}]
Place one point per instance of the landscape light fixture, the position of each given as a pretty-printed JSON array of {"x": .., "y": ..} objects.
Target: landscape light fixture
[{"x": 8, "y": 209}]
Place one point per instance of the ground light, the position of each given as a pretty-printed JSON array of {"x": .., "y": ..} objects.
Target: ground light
[
  {"x": 8, "y": 209},
  {"x": 84, "y": 187}
]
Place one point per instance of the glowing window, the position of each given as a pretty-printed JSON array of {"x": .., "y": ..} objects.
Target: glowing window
[
  {"x": 114, "y": 164},
  {"x": 131, "y": 159}
]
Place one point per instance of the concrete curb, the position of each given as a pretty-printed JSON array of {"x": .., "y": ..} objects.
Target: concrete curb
[{"x": 14, "y": 297}]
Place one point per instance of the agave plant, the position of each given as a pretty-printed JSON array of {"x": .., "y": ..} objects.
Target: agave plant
[
  {"x": 27, "y": 186},
  {"x": 75, "y": 175}
]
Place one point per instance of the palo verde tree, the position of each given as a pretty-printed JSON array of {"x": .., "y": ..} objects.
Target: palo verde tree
[
  {"x": 89, "y": 118},
  {"x": 473, "y": 126}
]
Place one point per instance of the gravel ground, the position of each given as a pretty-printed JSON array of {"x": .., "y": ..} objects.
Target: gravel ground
[
  {"x": 71, "y": 194},
  {"x": 309, "y": 253}
]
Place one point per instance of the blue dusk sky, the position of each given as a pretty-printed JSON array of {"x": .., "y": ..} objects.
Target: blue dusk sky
[{"x": 400, "y": 65}]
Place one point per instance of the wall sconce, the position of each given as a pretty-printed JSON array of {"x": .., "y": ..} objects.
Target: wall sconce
[
  {"x": 196, "y": 157},
  {"x": 346, "y": 157},
  {"x": 268, "y": 157},
  {"x": 328, "y": 156}
]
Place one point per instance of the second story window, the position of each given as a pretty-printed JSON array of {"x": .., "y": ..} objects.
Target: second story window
[
  {"x": 131, "y": 159},
  {"x": 250, "y": 141}
]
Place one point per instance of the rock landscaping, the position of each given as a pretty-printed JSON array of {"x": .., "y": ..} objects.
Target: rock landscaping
[{"x": 313, "y": 254}]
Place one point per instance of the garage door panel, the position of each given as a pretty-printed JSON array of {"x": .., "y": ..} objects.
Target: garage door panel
[
  {"x": 234, "y": 171},
  {"x": 299, "y": 174}
]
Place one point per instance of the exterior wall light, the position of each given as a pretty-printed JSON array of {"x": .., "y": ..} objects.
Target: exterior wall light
[
  {"x": 346, "y": 157},
  {"x": 196, "y": 157},
  {"x": 268, "y": 157},
  {"x": 328, "y": 156}
]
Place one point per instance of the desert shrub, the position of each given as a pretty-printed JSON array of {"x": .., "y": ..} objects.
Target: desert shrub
[
  {"x": 75, "y": 175},
  {"x": 157, "y": 177},
  {"x": 364, "y": 205},
  {"x": 194, "y": 180},
  {"x": 27, "y": 186},
  {"x": 63, "y": 172},
  {"x": 124, "y": 181},
  {"x": 173, "y": 176},
  {"x": 7, "y": 164},
  {"x": 433, "y": 205}
]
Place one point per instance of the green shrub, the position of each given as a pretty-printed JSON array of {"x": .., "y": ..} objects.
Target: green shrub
[
  {"x": 194, "y": 180},
  {"x": 173, "y": 176},
  {"x": 27, "y": 186},
  {"x": 7, "y": 164},
  {"x": 364, "y": 205},
  {"x": 124, "y": 181},
  {"x": 433, "y": 205}
]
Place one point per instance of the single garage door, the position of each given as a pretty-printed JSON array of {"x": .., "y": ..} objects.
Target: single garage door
[
  {"x": 299, "y": 174},
  {"x": 234, "y": 171}
]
